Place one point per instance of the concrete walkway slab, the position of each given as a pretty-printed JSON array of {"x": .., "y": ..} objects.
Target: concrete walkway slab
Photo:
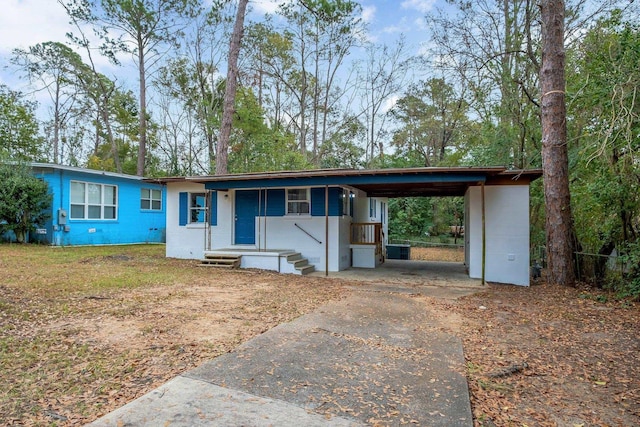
[
  {"x": 375, "y": 358},
  {"x": 188, "y": 402}
]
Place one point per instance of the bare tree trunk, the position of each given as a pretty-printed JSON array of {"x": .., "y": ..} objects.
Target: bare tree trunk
[
  {"x": 230, "y": 90},
  {"x": 316, "y": 97},
  {"x": 112, "y": 140},
  {"x": 56, "y": 126},
  {"x": 96, "y": 143},
  {"x": 555, "y": 159},
  {"x": 142, "y": 144}
]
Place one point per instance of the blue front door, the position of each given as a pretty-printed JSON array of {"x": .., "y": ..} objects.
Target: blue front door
[{"x": 246, "y": 212}]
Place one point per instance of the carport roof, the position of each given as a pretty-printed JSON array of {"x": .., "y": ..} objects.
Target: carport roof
[{"x": 405, "y": 182}]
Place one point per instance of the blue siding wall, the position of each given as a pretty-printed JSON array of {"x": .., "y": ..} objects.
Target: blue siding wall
[{"x": 132, "y": 224}]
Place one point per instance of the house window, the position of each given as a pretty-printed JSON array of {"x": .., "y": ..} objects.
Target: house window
[
  {"x": 150, "y": 199},
  {"x": 197, "y": 207},
  {"x": 298, "y": 201},
  {"x": 93, "y": 201},
  {"x": 372, "y": 208}
]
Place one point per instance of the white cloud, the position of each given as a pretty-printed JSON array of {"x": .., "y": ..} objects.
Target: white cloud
[
  {"x": 390, "y": 102},
  {"x": 262, "y": 7},
  {"x": 368, "y": 13},
  {"x": 422, "y": 6},
  {"x": 421, "y": 24},
  {"x": 393, "y": 29},
  {"x": 24, "y": 23},
  {"x": 401, "y": 27},
  {"x": 424, "y": 49},
  {"x": 369, "y": 37}
]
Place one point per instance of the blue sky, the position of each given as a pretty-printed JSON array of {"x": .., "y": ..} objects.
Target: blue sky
[
  {"x": 24, "y": 23},
  {"x": 387, "y": 19}
]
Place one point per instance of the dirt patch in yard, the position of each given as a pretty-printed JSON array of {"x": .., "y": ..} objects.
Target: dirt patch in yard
[
  {"x": 85, "y": 330},
  {"x": 127, "y": 323},
  {"x": 178, "y": 313}
]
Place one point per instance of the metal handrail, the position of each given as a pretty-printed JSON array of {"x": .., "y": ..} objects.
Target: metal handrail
[{"x": 307, "y": 233}]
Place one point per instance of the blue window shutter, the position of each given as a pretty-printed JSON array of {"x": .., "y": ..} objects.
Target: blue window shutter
[
  {"x": 214, "y": 208},
  {"x": 184, "y": 208},
  {"x": 276, "y": 202},
  {"x": 317, "y": 201}
]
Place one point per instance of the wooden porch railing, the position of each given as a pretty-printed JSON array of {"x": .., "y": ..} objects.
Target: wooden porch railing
[{"x": 367, "y": 233}]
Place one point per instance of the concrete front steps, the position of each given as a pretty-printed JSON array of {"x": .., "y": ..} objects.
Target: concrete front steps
[
  {"x": 221, "y": 260},
  {"x": 300, "y": 265},
  {"x": 283, "y": 261}
]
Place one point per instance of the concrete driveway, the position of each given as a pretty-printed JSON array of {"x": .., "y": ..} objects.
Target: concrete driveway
[{"x": 378, "y": 357}]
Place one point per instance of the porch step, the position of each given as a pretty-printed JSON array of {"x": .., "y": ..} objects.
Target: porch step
[
  {"x": 301, "y": 265},
  {"x": 221, "y": 260}
]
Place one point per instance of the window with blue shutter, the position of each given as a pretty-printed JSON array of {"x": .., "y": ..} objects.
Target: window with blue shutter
[{"x": 184, "y": 209}]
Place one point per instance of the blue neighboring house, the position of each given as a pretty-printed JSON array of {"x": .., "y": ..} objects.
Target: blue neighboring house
[{"x": 92, "y": 207}]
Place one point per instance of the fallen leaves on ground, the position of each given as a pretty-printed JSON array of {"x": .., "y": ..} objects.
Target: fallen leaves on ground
[
  {"x": 70, "y": 354},
  {"x": 448, "y": 254},
  {"x": 573, "y": 352},
  {"x": 84, "y": 331}
]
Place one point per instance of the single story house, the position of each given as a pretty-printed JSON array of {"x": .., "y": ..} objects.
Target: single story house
[
  {"x": 331, "y": 220},
  {"x": 92, "y": 207}
]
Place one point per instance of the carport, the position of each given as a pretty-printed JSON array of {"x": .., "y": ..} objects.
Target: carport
[{"x": 496, "y": 217}]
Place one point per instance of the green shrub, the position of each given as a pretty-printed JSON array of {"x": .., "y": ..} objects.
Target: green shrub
[
  {"x": 24, "y": 200},
  {"x": 628, "y": 283}
]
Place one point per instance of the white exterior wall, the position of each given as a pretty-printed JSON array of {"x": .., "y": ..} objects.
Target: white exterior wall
[
  {"x": 186, "y": 241},
  {"x": 360, "y": 209},
  {"x": 271, "y": 233},
  {"x": 363, "y": 256},
  {"x": 222, "y": 233},
  {"x": 507, "y": 233},
  {"x": 361, "y": 213},
  {"x": 274, "y": 233},
  {"x": 344, "y": 241},
  {"x": 281, "y": 233}
]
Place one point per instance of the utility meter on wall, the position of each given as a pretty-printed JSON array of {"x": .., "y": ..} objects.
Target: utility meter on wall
[{"x": 62, "y": 217}]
